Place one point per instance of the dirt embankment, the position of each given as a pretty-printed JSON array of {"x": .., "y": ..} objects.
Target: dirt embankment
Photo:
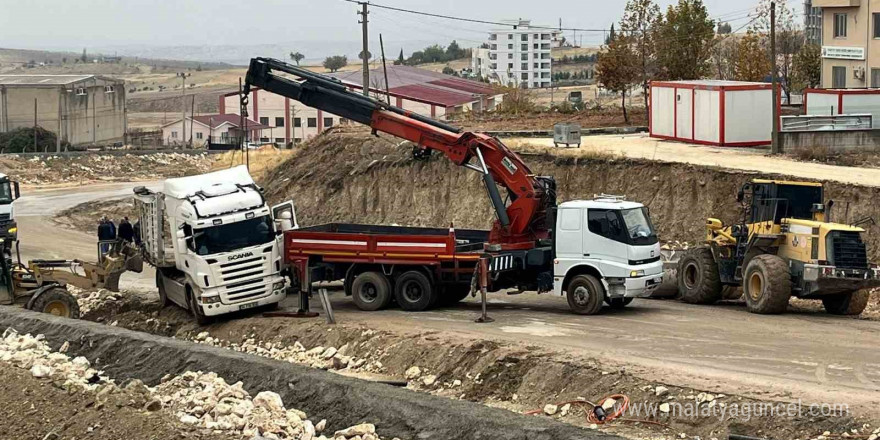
[
  {"x": 84, "y": 217},
  {"x": 515, "y": 377},
  {"x": 97, "y": 167},
  {"x": 349, "y": 176},
  {"x": 611, "y": 117}
]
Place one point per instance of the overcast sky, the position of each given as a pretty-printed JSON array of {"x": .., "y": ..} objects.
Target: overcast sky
[{"x": 73, "y": 24}]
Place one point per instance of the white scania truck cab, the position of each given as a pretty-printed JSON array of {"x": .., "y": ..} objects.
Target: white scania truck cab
[
  {"x": 9, "y": 192},
  {"x": 226, "y": 247},
  {"x": 607, "y": 250}
]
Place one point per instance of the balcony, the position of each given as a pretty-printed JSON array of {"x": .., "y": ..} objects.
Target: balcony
[{"x": 836, "y": 3}]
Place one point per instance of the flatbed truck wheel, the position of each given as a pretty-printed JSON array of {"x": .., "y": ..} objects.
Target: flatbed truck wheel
[
  {"x": 371, "y": 291},
  {"x": 698, "y": 278},
  {"x": 850, "y": 304},
  {"x": 413, "y": 291},
  {"x": 767, "y": 285},
  {"x": 160, "y": 286},
  {"x": 194, "y": 309},
  {"x": 585, "y": 295},
  {"x": 57, "y": 301}
]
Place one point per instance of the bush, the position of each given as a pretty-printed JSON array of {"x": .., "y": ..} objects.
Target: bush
[{"x": 21, "y": 140}]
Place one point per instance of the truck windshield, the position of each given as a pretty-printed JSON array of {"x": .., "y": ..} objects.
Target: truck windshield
[
  {"x": 639, "y": 227},
  {"x": 5, "y": 193},
  {"x": 233, "y": 236}
]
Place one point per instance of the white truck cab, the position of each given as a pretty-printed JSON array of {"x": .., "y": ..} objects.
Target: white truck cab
[
  {"x": 9, "y": 192},
  {"x": 226, "y": 248},
  {"x": 606, "y": 250}
]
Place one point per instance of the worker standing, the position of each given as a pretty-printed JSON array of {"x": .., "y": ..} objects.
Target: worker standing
[
  {"x": 126, "y": 230},
  {"x": 106, "y": 236}
]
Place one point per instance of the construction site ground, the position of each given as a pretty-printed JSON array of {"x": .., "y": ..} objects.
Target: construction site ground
[{"x": 536, "y": 352}]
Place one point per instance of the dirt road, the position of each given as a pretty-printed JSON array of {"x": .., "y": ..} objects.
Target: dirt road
[
  {"x": 805, "y": 355},
  {"x": 745, "y": 159},
  {"x": 41, "y": 237}
]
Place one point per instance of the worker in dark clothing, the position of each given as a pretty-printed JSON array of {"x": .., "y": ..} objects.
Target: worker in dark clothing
[
  {"x": 126, "y": 230},
  {"x": 137, "y": 232},
  {"x": 106, "y": 234}
]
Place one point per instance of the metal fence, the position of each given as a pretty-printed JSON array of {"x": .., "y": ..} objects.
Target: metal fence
[{"x": 827, "y": 123}]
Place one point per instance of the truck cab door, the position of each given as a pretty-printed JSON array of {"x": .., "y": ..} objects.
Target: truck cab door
[
  {"x": 604, "y": 238},
  {"x": 284, "y": 216}
]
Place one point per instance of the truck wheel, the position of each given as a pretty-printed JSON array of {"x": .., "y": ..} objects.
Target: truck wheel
[
  {"x": 585, "y": 295},
  {"x": 413, "y": 291},
  {"x": 163, "y": 294},
  {"x": 195, "y": 310},
  {"x": 371, "y": 291},
  {"x": 57, "y": 301},
  {"x": 698, "y": 279},
  {"x": 850, "y": 304},
  {"x": 619, "y": 303},
  {"x": 767, "y": 285}
]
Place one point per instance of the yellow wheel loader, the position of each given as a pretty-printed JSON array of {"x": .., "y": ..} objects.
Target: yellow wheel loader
[
  {"x": 41, "y": 285},
  {"x": 785, "y": 246}
]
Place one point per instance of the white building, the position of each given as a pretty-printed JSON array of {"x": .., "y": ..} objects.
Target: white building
[
  {"x": 518, "y": 56},
  {"x": 417, "y": 90},
  {"x": 218, "y": 130}
]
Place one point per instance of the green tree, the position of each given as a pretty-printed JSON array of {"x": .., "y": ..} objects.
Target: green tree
[
  {"x": 454, "y": 51},
  {"x": 640, "y": 21},
  {"x": 83, "y": 58},
  {"x": 297, "y": 57},
  {"x": 724, "y": 28},
  {"x": 610, "y": 35},
  {"x": 807, "y": 68},
  {"x": 335, "y": 62},
  {"x": 724, "y": 56},
  {"x": 684, "y": 41},
  {"x": 789, "y": 38},
  {"x": 617, "y": 69},
  {"x": 400, "y": 59},
  {"x": 752, "y": 61}
]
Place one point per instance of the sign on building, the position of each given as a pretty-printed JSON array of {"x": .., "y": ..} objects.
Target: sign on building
[{"x": 843, "y": 53}]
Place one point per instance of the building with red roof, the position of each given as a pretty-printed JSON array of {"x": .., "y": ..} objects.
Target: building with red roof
[
  {"x": 224, "y": 129},
  {"x": 418, "y": 90}
]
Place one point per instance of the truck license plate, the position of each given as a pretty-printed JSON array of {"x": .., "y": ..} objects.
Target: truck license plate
[{"x": 248, "y": 306}]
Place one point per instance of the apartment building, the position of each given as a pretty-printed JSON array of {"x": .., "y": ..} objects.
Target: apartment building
[
  {"x": 850, "y": 43},
  {"x": 812, "y": 23},
  {"x": 519, "y": 56}
]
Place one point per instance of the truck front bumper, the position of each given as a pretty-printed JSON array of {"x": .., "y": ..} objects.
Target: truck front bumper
[
  {"x": 638, "y": 287},
  {"x": 211, "y": 307},
  {"x": 822, "y": 280}
]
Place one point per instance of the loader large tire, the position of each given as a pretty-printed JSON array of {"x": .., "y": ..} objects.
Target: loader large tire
[
  {"x": 767, "y": 285},
  {"x": 57, "y": 301},
  {"x": 698, "y": 278},
  {"x": 850, "y": 304}
]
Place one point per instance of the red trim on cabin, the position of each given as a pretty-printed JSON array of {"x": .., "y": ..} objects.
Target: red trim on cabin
[
  {"x": 840, "y": 104},
  {"x": 286, "y": 120},
  {"x": 399, "y": 102},
  {"x": 722, "y": 114},
  {"x": 433, "y": 111},
  {"x": 677, "y": 85},
  {"x": 712, "y": 144}
]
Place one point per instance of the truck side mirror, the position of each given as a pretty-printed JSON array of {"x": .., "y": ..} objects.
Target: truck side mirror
[{"x": 16, "y": 192}]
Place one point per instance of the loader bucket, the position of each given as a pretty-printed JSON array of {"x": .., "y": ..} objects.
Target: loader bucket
[{"x": 669, "y": 288}]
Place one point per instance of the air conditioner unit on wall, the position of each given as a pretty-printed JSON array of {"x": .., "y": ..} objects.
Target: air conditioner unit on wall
[{"x": 859, "y": 73}]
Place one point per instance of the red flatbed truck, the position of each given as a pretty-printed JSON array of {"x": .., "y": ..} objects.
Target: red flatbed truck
[{"x": 417, "y": 267}]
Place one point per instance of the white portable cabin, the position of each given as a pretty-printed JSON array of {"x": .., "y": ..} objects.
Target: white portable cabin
[
  {"x": 831, "y": 102},
  {"x": 722, "y": 113}
]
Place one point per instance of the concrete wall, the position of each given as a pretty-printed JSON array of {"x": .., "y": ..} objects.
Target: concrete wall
[
  {"x": 91, "y": 115},
  {"x": 834, "y": 141}
]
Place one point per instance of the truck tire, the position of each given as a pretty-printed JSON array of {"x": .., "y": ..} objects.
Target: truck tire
[
  {"x": 163, "y": 294},
  {"x": 57, "y": 301},
  {"x": 371, "y": 291},
  {"x": 413, "y": 291},
  {"x": 698, "y": 278},
  {"x": 585, "y": 295},
  {"x": 767, "y": 285},
  {"x": 195, "y": 310},
  {"x": 850, "y": 304}
]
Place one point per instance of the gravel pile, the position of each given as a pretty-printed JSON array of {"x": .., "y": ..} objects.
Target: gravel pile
[
  {"x": 93, "y": 299},
  {"x": 200, "y": 400}
]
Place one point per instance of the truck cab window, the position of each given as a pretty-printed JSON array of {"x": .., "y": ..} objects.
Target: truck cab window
[
  {"x": 605, "y": 222},
  {"x": 630, "y": 226},
  {"x": 5, "y": 193}
]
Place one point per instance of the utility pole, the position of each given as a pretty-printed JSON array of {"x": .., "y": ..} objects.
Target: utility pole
[
  {"x": 183, "y": 76},
  {"x": 365, "y": 53},
  {"x": 385, "y": 68},
  {"x": 35, "y": 125},
  {"x": 774, "y": 146}
]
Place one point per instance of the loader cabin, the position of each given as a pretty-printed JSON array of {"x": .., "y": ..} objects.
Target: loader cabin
[{"x": 774, "y": 200}]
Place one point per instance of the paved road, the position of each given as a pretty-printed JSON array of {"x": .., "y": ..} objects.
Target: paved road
[
  {"x": 746, "y": 159},
  {"x": 813, "y": 356}
]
